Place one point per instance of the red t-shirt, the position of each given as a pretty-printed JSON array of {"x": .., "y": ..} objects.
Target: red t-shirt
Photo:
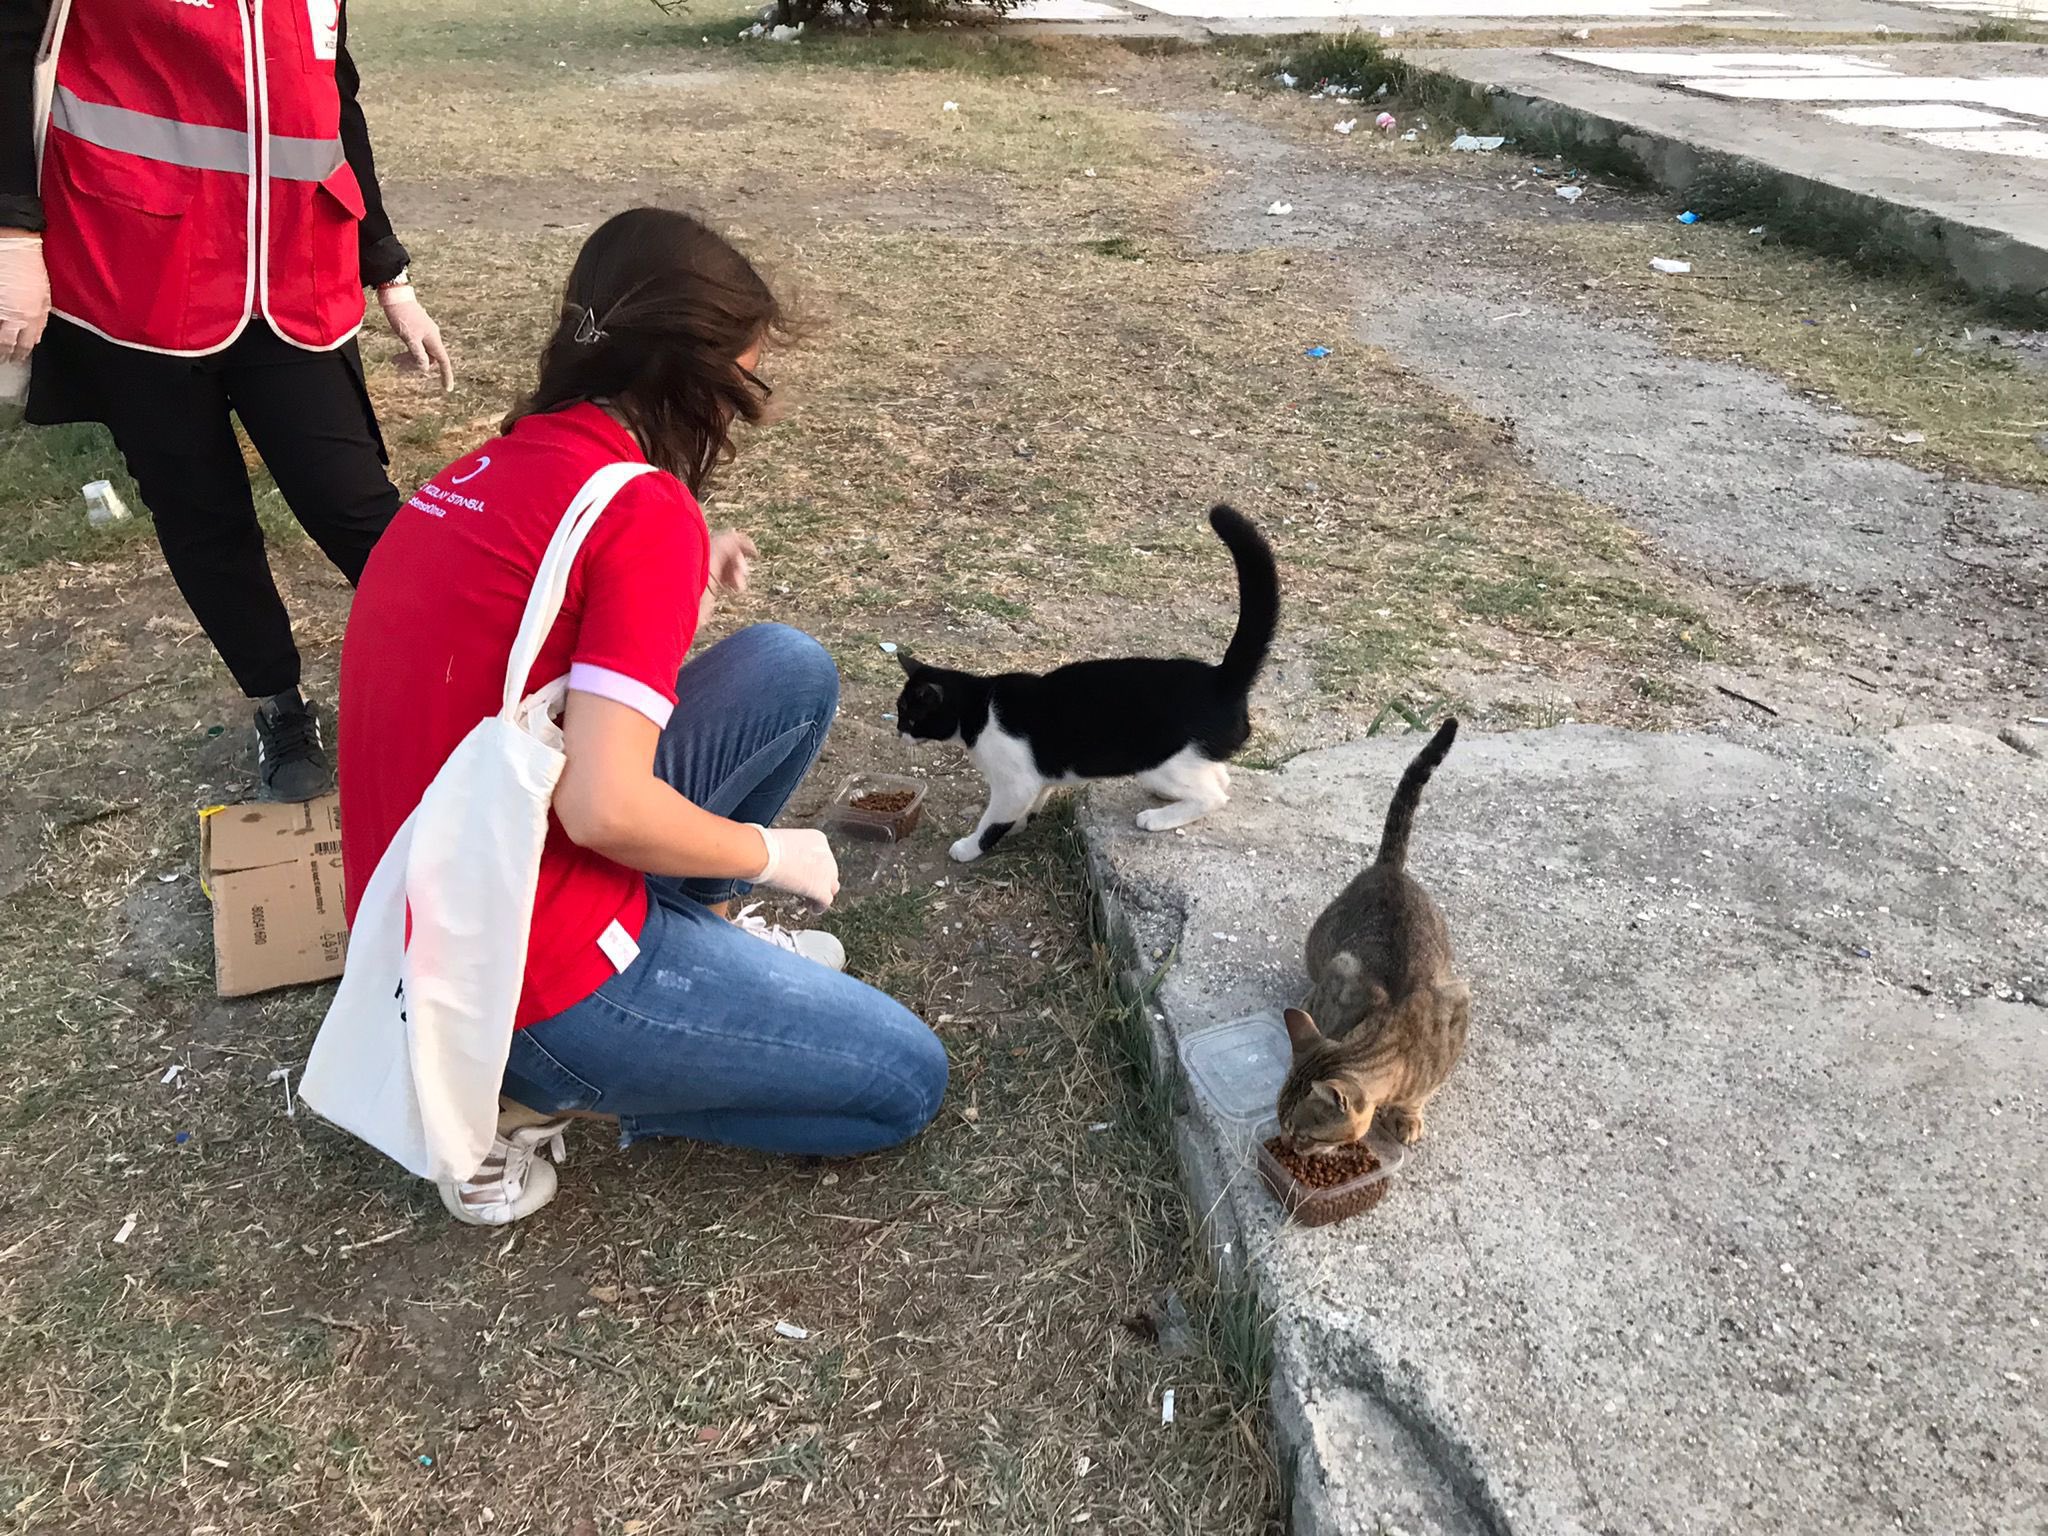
[{"x": 432, "y": 629}]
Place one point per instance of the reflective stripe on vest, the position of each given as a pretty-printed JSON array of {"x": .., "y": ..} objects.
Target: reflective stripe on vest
[{"x": 201, "y": 148}]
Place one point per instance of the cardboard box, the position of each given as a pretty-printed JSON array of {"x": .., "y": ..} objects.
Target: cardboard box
[{"x": 273, "y": 873}]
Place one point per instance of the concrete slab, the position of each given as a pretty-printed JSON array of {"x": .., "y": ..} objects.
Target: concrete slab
[
  {"x": 1971, "y": 200},
  {"x": 1729, "y": 1223}
]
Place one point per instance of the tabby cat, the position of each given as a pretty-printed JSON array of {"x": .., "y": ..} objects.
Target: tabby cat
[{"x": 1386, "y": 1017}]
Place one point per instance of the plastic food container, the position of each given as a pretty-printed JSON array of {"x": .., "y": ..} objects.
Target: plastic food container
[
  {"x": 1236, "y": 1070},
  {"x": 1308, "y": 1206},
  {"x": 879, "y": 807}
]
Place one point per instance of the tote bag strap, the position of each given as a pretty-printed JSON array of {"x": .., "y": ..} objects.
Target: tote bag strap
[
  {"x": 45, "y": 87},
  {"x": 551, "y": 581}
]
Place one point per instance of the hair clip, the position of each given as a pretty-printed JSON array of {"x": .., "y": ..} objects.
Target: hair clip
[{"x": 587, "y": 330}]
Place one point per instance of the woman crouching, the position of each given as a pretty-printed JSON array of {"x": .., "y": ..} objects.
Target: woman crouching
[{"x": 646, "y": 999}]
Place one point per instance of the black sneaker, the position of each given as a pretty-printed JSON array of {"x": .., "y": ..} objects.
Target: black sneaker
[{"x": 289, "y": 756}]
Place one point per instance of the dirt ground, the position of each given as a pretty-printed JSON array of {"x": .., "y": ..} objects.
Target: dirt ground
[{"x": 1048, "y": 328}]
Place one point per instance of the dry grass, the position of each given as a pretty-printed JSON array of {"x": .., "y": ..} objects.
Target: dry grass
[
  {"x": 294, "y": 1335},
  {"x": 293, "y": 1326}
]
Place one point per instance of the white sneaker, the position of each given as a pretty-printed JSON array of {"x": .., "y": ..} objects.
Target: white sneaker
[
  {"x": 811, "y": 943},
  {"x": 514, "y": 1181}
]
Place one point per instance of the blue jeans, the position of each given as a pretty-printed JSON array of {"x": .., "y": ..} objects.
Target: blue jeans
[{"x": 712, "y": 1033}]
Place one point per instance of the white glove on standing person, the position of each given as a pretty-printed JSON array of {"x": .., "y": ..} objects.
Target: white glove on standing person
[
  {"x": 411, "y": 324},
  {"x": 24, "y": 295},
  {"x": 799, "y": 861}
]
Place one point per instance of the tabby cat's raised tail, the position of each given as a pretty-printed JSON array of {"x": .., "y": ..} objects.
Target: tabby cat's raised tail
[{"x": 1401, "y": 814}]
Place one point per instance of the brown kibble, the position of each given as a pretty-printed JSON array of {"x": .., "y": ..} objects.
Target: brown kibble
[
  {"x": 1324, "y": 1170},
  {"x": 883, "y": 802},
  {"x": 1323, "y": 1188}
]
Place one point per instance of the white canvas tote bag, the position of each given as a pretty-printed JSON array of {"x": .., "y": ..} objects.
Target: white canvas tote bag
[{"x": 412, "y": 1052}]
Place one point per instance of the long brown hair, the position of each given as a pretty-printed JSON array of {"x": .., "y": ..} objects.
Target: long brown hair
[{"x": 658, "y": 309}]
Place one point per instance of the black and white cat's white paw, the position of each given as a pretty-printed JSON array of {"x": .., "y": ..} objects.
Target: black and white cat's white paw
[
  {"x": 979, "y": 841},
  {"x": 1191, "y": 784},
  {"x": 1164, "y": 818}
]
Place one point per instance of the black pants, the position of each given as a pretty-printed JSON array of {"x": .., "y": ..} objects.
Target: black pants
[{"x": 308, "y": 415}]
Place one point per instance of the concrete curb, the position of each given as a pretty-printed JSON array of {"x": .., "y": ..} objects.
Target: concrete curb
[
  {"x": 1987, "y": 262},
  {"x": 1311, "y": 1458}
]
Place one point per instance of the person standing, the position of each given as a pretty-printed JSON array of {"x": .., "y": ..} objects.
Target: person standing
[{"x": 187, "y": 229}]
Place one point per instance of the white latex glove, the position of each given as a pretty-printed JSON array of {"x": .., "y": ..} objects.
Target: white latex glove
[
  {"x": 411, "y": 324},
  {"x": 800, "y": 861},
  {"x": 24, "y": 296},
  {"x": 730, "y": 553}
]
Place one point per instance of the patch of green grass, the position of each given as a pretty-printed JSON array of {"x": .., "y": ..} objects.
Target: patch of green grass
[
  {"x": 271, "y": 1450},
  {"x": 1240, "y": 1328},
  {"x": 520, "y": 39},
  {"x": 1399, "y": 711},
  {"x": 1548, "y": 597},
  {"x": 346, "y": 1446},
  {"x": 787, "y": 527},
  {"x": 1360, "y": 645},
  {"x": 1354, "y": 61},
  {"x": 992, "y": 604},
  {"x": 1259, "y": 758},
  {"x": 1118, "y": 247},
  {"x": 1118, "y": 989},
  {"x": 43, "y": 469},
  {"x": 879, "y": 932},
  {"x": 1657, "y": 690},
  {"x": 187, "y": 1273},
  {"x": 2006, "y": 29}
]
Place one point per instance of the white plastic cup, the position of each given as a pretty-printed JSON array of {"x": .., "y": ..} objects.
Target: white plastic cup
[{"x": 103, "y": 505}]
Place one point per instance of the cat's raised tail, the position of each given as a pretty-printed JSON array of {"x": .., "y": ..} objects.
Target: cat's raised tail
[
  {"x": 1258, "y": 598},
  {"x": 1408, "y": 795}
]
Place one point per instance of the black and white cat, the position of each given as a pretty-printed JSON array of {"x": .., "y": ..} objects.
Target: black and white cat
[{"x": 1171, "y": 724}]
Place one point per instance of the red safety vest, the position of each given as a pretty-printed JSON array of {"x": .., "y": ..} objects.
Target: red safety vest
[{"x": 193, "y": 178}]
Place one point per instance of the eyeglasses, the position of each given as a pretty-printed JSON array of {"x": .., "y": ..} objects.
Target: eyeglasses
[{"x": 753, "y": 378}]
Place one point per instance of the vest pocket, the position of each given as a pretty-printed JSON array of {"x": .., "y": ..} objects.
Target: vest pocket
[
  {"x": 316, "y": 285},
  {"x": 126, "y": 258},
  {"x": 344, "y": 189},
  {"x": 127, "y": 181}
]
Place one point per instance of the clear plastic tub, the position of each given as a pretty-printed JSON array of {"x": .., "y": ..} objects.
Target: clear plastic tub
[
  {"x": 1236, "y": 1070},
  {"x": 891, "y": 822}
]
